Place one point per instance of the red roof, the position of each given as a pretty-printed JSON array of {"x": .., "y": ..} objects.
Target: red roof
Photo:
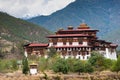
[
  {"x": 70, "y": 46},
  {"x": 70, "y": 35},
  {"x": 78, "y": 30},
  {"x": 38, "y": 45}
]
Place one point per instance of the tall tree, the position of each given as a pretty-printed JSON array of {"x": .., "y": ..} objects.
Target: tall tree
[{"x": 25, "y": 65}]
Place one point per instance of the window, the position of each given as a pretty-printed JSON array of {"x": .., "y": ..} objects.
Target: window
[
  {"x": 80, "y": 41},
  {"x": 54, "y": 41},
  {"x": 87, "y": 57},
  {"x": 79, "y": 57},
  {"x": 83, "y": 57},
  {"x": 64, "y": 41}
]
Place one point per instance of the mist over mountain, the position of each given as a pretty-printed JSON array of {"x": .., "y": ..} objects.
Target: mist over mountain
[{"x": 103, "y": 15}]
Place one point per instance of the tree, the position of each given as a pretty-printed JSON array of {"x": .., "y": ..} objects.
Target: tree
[
  {"x": 88, "y": 67},
  {"x": 108, "y": 63},
  {"x": 97, "y": 60},
  {"x": 117, "y": 65},
  {"x": 51, "y": 52},
  {"x": 70, "y": 62},
  {"x": 61, "y": 65},
  {"x": 25, "y": 66},
  {"x": 78, "y": 66}
]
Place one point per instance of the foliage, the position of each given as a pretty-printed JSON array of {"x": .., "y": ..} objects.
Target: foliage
[
  {"x": 25, "y": 68},
  {"x": 79, "y": 66},
  {"x": 108, "y": 63},
  {"x": 117, "y": 65},
  {"x": 97, "y": 60},
  {"x": 8, "y": 65},
  {"x": 43, "y": 64},
  {"x": 82, "y": 66},
  {"x": 61, "y": 65},
  {"x": 14, "y": 64},
  {"x": 71, "y": 62},
  {"x": 52, "y": 52},
  {"x": 16, "y": 30},
  {"x": 88, "y": 67}
]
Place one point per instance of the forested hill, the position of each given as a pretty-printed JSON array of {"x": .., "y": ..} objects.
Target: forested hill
[
  {"x": 14, "y": 33},
  {"x": 103, "y": 15},
  {"x": 14, "y": 29}
]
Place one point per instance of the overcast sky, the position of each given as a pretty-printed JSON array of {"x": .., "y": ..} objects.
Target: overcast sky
[{"x": 21, "y": 8}]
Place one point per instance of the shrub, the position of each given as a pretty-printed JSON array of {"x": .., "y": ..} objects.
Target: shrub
[
  {"x": 52, "y": 52},
  {"x": 82, "y": 66},
  {"x": 61, "y": 65},
  {"x": 71, "y": 62},
  {"x": 14, "y": 64},
  {"x": 97, "y": 60},
  {"x": 78, "y": 66},
  {"x": 43, "y": 64},
  {"x": 88, "y": 67},
  {"x": 117, "y": 65},
  {"x": 108, "y": 63}
]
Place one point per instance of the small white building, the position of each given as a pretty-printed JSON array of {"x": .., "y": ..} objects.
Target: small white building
[{"x": 33, "y": 69}]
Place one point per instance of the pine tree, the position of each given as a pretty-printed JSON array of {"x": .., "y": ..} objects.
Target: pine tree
[{"x": 25, "y": 66}]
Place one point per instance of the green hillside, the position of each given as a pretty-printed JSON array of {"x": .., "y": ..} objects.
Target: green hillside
[
  {"x": 14, "y": 29},
  {"x": 14, "y": 33}
]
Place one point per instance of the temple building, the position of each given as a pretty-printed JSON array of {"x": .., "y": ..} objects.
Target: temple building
[{"x": 75, "y": 43}]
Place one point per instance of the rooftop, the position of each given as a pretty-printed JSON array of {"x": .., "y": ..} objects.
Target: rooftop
[{"x": 37, "y": 45}]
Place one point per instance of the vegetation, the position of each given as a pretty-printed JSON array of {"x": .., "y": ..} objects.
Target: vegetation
[
  {"x": 52, "y": 52},
  {"x": 61, "y": 65},
  {"x": 82, "y": 66},
  {"x": 99, "y": 62},
  {"x": 25, "y": 68},
  {"x": 117, "y": 65},
  {"x": 95, "y": 63},
  {"x": 8, "y": 65},
  {"x": 15, "y": 30}
]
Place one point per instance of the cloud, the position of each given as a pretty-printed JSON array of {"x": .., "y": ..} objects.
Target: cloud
[{"x": 22, "y": 8}]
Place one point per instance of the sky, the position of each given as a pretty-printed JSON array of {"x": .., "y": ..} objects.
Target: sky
[{"x": 31, "y": 8}]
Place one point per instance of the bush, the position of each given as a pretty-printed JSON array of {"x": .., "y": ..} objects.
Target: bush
[
  {"x": 71, "y": 62},
  {"x": 8, "y": 65},
  {"x": 43, "y": 64},
  {"x": 88, "y": 67},
  {"x": 108, "y": 63},
  {"x": 78, "y": 66},
  {"x": 61, "y": 65},
  {"x": 14, "y": 64},
  {"x": 83, "y": 66},
  {"x": 97, "y": 60},
  {"x": 52, "y": 52},
  {"x": 117, "y": 65}
]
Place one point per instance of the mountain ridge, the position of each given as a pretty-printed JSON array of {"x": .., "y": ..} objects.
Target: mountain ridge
[{"x": 102, "y": 15}]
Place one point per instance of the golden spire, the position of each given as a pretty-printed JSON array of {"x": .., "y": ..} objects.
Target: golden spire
[{"x": 83, "y": 26}]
